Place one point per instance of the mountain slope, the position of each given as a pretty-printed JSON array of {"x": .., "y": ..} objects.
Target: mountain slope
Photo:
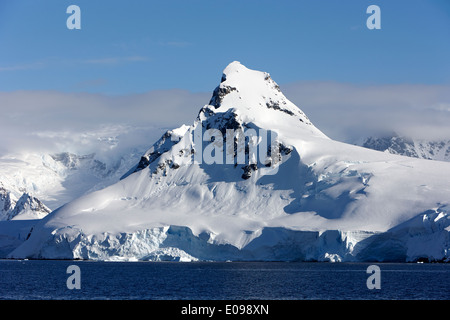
[{"x": 254, "y": 179}]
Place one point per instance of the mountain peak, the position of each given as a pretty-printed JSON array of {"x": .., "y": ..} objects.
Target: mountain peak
[
  {"x": 234, "y": 67},
  {"x": 244, "y": 99},
  {"x": 255, "y": 97},
  {"x": 245, "y": 80}
]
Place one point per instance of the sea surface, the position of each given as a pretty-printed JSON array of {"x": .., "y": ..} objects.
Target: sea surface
[{"x": 48, "y": 280}]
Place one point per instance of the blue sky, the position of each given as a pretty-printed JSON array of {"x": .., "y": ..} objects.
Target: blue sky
[
  {"x": 128, "y": 47},
  {"x": 137, "y": 68}
]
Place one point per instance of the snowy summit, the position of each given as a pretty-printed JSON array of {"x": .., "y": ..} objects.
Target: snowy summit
[{"x": 253, "y": 179}]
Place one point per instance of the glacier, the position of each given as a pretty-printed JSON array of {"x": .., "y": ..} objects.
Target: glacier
[{"x": 313, "y": 199}]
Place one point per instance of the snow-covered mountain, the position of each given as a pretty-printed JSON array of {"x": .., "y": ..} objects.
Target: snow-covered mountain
[
  {"x": 17, "y": 217},
  {"x": 253, "y": 179},
  {"x": 20, "y": 205},
  {"x": 417, "y": 148},
  {"x": 57, "y": 178},
  {"x": 25, "y": 208},
  {"x": 32, "y": 185}
]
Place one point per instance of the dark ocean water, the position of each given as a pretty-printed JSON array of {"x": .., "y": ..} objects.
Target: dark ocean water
[{"x": 37, "y": 280}]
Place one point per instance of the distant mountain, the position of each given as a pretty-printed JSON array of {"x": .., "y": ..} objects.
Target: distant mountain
[
  {"x": 253, "y": 179},
  {"x": 56, "y": 179},
  {"x": 416, "y": 148},
  {"x": 25, "y": 208}
]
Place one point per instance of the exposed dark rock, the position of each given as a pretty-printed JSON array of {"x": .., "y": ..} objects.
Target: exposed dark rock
[
  {"x": 164, "y": 144},
  {"x": 276, "y": 106},
  {"x": 248, "y": 169},
  {"x": 219, "y": 93},
  {"x": 28, "y": 203}
]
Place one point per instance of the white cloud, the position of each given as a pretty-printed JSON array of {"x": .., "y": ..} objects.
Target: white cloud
[
  {"x": 54, "y": 121},
  {"x": 348, "y": 112},
  {"x": 21, "y": 67},
  {"x": 51, "y": 121}
]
